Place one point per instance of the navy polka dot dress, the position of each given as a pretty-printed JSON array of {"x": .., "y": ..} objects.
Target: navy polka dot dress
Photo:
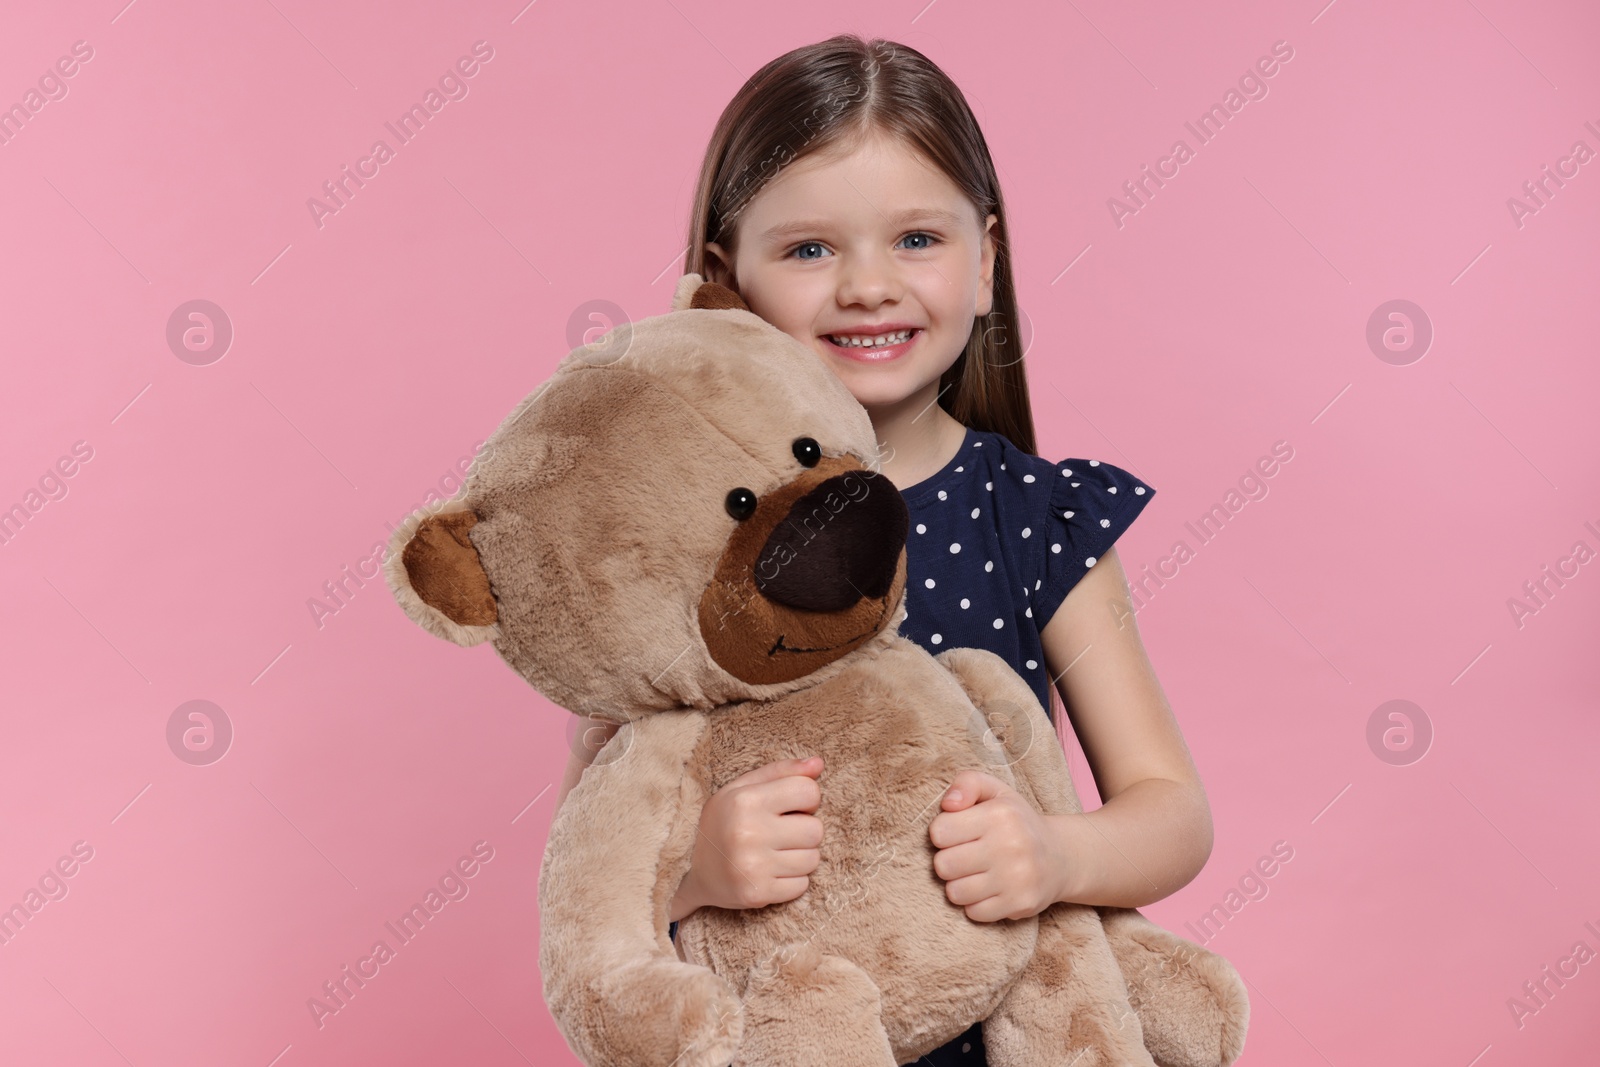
[{"x": 998, "y": 539}]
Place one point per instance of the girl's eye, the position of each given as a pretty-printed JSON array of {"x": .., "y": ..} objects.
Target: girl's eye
[
  {"x": 803, "y": 246},
  {"x": 920, "y": 248}
]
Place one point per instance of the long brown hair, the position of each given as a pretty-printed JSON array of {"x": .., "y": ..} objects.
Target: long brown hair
[{"x": 828, "y": 94}]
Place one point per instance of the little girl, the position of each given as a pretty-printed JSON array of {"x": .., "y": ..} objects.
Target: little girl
[{"x": 848, "y": 196}]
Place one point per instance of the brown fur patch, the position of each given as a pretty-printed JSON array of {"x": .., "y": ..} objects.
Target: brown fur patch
[
  {"x": 445, "y": 570},
  {"x": 717, "y": 298}
]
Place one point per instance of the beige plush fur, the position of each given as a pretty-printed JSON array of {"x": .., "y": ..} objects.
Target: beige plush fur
[{"x": 596, "y": 544}]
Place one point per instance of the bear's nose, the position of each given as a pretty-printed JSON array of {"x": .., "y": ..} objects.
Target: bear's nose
[{"x": 839, "y": 543}]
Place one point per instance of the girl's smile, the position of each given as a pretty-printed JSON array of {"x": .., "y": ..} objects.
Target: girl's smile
[{"x": 869, "y": 344}]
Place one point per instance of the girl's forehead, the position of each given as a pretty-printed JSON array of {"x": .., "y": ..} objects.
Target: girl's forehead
[
  {"x": 881, "y": 183},
  {"x": 876, "y": 153}
]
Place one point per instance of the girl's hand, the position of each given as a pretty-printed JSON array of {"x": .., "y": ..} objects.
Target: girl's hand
[
  {"x": 999, "y": 858},
  {"x": 749, "y": 853}
]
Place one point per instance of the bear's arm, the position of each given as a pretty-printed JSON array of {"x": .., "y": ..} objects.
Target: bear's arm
[
  {"x": 618, "y": 848},
  {"x": 1013, "y": 712}
]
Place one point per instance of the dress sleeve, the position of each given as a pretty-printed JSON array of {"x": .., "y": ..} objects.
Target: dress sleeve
[{"x": 1091, "y": 503}]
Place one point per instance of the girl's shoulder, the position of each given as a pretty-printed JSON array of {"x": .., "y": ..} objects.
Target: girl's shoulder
[
  {"x": 1089, "y": 505},
  {"x": 988, "y": 463},
  {"x": 1052, "y": 518}
]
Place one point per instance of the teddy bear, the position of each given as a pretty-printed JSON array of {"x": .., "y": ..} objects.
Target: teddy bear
[{"x": 683, "y": 532}]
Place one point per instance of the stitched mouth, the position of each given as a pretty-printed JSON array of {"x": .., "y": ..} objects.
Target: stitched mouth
[{"x": 779, "y": 646}]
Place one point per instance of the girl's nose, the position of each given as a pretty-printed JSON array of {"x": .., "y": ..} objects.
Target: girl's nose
[{"x": 869, "y": 279}]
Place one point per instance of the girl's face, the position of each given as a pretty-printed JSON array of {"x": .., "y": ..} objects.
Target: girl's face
[{"x": 863, "y": 244}]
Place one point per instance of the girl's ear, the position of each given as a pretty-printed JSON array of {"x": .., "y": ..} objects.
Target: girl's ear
[
  {"x": 694, "y": 291},
  {"x": 985, "y": 301}
]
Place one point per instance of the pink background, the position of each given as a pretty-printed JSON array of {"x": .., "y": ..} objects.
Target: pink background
[{"x": 370, "y": 354}]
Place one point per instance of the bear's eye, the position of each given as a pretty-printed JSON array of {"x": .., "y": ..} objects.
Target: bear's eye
[
  {"x": 807, "y": 451},
  {"x": 741, "y": 503}
]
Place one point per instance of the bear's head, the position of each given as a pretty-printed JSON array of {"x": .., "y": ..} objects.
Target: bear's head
[{"x": 687, "y": 513}]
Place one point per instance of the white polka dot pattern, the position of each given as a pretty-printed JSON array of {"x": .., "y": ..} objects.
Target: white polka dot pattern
[{"x": 995, "y": 521}]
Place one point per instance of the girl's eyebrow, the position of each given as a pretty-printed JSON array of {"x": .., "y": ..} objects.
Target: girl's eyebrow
[{"x": 901, "y": 218}]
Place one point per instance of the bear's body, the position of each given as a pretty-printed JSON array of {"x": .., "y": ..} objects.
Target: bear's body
[{"x": 888, "y": 757}]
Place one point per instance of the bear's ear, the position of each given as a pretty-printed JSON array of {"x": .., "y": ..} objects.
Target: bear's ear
[
  {"x": 435, "y": 573},
  {"x": 694, "y": 291}
]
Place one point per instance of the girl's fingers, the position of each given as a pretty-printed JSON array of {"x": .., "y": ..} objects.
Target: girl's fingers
[
  {"x": 795, "y": 862},
  {"x": 951, "y": 828},
  {"x": 796, "y": 831},
  {"x": 767, "y": 772},
  {"x": 970, "y": 890},
  {"x": 962, "y": 861},
  {"x": 789, "y": 888},
  {"x": 795, "y": 792},
  {"x": 971, "y": 787},
  {"x": 989, "y": 909}
]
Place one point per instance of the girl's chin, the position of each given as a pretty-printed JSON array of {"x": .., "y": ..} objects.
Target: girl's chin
[{"x": 876, "y": 392}]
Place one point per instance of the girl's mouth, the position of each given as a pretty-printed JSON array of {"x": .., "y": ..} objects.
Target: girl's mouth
[{"x": 863, "y": 349}]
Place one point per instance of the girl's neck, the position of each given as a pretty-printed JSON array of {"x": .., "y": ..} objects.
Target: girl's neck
[{"x": 916, "y": 437}]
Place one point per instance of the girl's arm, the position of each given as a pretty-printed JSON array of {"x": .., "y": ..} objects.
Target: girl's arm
[{"x": 1152, "y": 834}]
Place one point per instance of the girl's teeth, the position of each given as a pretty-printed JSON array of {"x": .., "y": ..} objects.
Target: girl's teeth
[{"x": 871, "y": 342}]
